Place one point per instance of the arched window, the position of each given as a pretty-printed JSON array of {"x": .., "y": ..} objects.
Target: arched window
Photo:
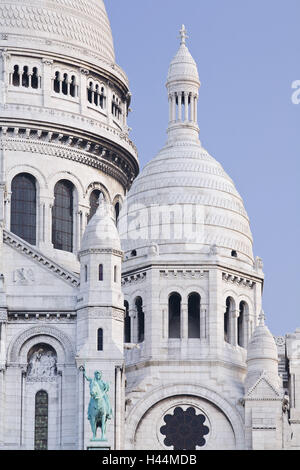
[
  {"x": 34, "y": 78},
  {"x": 73, "y": 86},
  {"x": 100, "y": 339},
  {"x": 16, "y": 76},
  {"x": 140, "y": 319},
  {"x": 64, "y": 85},
  {"x": 94, "y": 202},
  {"x": 25, "y": 77},
  {"x": 41, "y": 421},
  {"x": 115, "y": 274},
  {"x": 227, "y": 319},
  {"x": 241, "y": 324},
  {"x": 56, "y": 82},
  {"x": 85, "y": 273},
  {"x": 90, "y": 92},
  {"x": 23, "y": 207},
  {"x": 62, "y": 216},
  {"x": 100, "y": 272},
  {"x": 174, "y": 315},
  {"x": 127, "y": 324},
  {"x": 117, "y": 211},
  {"x": 194, "y": 315}
]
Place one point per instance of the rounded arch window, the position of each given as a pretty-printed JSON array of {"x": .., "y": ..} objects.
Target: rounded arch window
[
  {"x": 194, "y": 315},
  {"x": 174, "y": 315},
  {"x": 41, "y": 421},
  {"x": 127, "y": 324},
  {"x": 94, "y": 202},
  {"x": 227, "y": 318},
  {"x": 140, "y": 319},
  {"x": 243, "y": 308},
  {"x": 100, "y": 339},
  {"x": 23, "y": 207},
  {"x": 117, "y": 211},
  {"x": 62, "y": 216}
]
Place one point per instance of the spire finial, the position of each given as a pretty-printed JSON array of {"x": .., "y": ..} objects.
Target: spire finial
[
  {"x": 262, "y": 318},
  {"x": 101, "y": 199},
  {"x": 183, "y": 35}
]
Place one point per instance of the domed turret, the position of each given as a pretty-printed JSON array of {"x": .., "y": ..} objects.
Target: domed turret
[
  {"x": 100, "y": 258},
  {"x": 101, "y": 231},
  {"x": 262, "y": 356},
  {"x": 183, "y": 200}
]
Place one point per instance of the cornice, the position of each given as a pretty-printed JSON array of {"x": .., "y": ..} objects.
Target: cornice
[{"x": 92, "y": 152}]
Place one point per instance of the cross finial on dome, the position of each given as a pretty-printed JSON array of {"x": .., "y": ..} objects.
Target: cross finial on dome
[
  {"x": 183, "y": 34},
  {"x": 262, "y": 318}
]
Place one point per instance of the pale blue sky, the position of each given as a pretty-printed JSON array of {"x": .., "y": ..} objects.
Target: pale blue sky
[{"x": 248, "y": 55}]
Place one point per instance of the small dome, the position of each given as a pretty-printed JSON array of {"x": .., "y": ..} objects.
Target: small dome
[
  {"x": 101, "y": 231},
  {"x": 262, "y": 345},
  {"x": 183, "y": 67},
  {"x": 262, "y": 356}
]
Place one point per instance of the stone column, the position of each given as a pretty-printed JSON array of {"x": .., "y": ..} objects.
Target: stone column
[
  {"x": 133, "y": 316},
  {"x": 2, "y": 408},
  {"x": 203, "y": 314},
  {"x": 180, "y": 107},
  {"x": 118, "y": 408},
  {"x": 186, "y": 106},
  {"x": 47, "y": 82},
  {"x": 5, "y": 75},
  {"x": 170, "y": 109},
  {"x": 165, "y": 322},
  {"x": 192, "y": 118},
  {"x": 7, "y": 211},
  {"x": 184, "y": 321},
  {"x": 173, "y": 107},
  {"x": 233, "y": 327},
  {"x": 83, "y": 86},
  {"x": 196, "y": 109}
]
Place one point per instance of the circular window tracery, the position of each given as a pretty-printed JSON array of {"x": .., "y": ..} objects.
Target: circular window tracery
[{"x": 184, "y": 430}]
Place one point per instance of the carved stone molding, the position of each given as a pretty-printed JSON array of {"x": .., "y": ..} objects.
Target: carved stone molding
[
  {"x": 41, "y": 316},
  {"x": 43, "y": 330},
  {"x": 238, "y": 280},
  {"x": 101, "y": 250},
  {"x": 183, "y": 274},
  {"x": 3, "y": 316},
  {"x": 20, "y": 245},
  {"x": 134, "y": 279},
  {"x": 72, "y": 148}
]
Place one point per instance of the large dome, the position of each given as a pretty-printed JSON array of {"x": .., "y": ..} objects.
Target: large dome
[
  {"x": 185, "y": 178},
  {"x": 69, "y": 23}
]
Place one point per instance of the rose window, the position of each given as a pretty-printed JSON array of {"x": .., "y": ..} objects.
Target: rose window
[{"x": 184, "y": 430}]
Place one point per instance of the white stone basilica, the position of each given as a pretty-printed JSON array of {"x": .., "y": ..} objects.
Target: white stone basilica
[{"x": 149, "y": 279}]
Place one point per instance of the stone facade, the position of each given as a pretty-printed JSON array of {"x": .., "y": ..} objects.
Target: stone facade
[{"x": 169, "y": 306}]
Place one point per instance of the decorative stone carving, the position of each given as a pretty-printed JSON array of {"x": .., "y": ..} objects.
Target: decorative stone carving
[
  {"x": 213, "y": 250},
  {"x": 154, "y": 250},
  {"x": 23, "y": 276},
  {"x": 42, "y": 360}
]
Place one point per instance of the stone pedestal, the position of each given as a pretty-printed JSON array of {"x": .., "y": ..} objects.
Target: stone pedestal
[{"x": 98, "y": 444}]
